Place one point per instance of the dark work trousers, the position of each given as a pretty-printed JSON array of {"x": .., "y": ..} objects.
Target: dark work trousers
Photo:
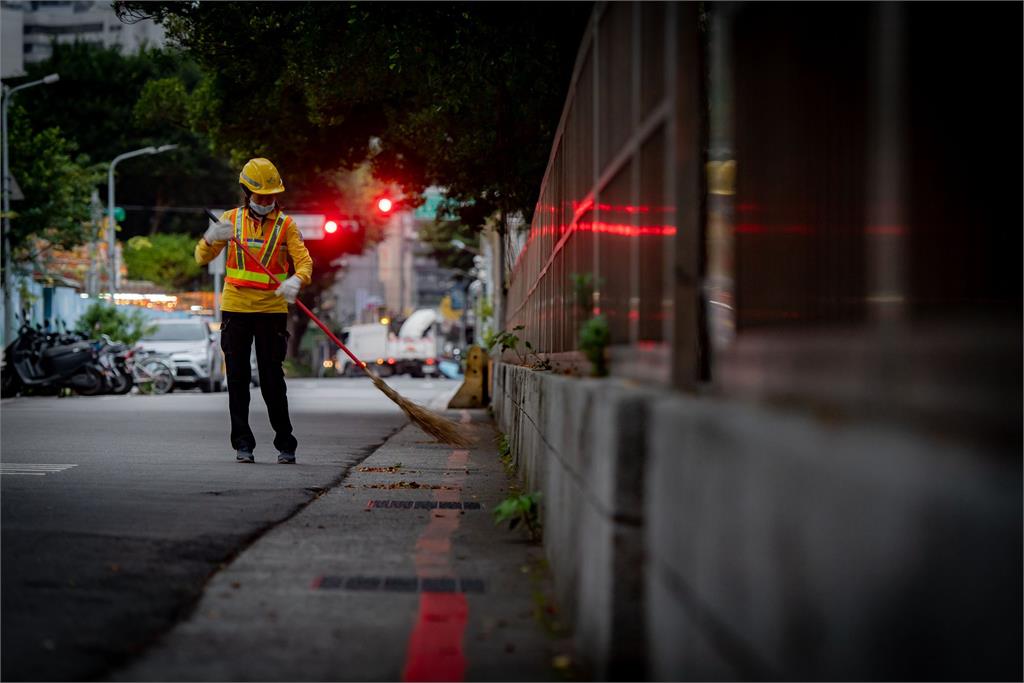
[{"x": 270, "y": 332}]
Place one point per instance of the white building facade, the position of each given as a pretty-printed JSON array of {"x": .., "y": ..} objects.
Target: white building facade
[{"x": 30, "y": 28}]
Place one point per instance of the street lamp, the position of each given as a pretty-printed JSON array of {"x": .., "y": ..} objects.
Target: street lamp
[
  {"x": 7, "y": 93},
  {"x": 111, "y": 231}
]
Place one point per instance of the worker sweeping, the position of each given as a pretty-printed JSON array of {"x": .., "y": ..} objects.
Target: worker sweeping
[{"x": 254, "y": 306}]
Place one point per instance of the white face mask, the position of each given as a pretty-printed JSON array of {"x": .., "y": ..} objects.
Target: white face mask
[{"x": 261, "y": 209}]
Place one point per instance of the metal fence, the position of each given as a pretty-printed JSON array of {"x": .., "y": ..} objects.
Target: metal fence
[
  {"x": 784, "y": 203},
  {"x": 602, "y": 237}
]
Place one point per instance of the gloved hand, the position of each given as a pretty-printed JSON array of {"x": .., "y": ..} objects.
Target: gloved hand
[
  {"x": 289, "y": 289},
  {"x": 219, "y": 232}
]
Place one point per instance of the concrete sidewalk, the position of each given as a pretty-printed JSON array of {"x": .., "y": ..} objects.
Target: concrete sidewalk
[{"x": 399, "y": 573}]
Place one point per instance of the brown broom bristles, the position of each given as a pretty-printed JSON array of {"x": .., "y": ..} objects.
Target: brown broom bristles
[{"x": 437, "y": 426}]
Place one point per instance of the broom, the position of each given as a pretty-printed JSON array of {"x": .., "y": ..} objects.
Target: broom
[{"x": 437, "y": 426}]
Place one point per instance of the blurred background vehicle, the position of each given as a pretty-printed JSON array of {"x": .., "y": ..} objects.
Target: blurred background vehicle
[
  {"x": 369, "y": 343},
  {"x": 193, "y": 349},
  {"x": 416, "y": 349}
]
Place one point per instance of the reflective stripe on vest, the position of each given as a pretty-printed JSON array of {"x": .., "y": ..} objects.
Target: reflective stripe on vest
[{"x": 266, "y": 250}]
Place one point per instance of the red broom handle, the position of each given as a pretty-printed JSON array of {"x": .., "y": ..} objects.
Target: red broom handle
[{"x": 301, "y": 305}]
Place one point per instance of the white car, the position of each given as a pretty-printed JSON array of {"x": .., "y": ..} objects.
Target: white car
[{"x": 193, "y": 350}]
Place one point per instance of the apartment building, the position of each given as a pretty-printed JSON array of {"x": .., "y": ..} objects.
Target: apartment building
[{"x": 31, "y": 28}]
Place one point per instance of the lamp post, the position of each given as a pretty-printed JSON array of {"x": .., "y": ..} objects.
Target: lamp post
[
  {"x": 111, "y": 230},
  {"x": 7, "y": 93}
]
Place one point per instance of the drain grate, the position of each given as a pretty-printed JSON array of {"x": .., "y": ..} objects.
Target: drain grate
[
  {"x": 400, "y": 584},
  {"x": 423, "y": 505}
]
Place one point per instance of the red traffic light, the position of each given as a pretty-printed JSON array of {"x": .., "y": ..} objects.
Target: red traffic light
[
  {"x": 384, "y": 205},
  {"x": 330, "y": 227}
]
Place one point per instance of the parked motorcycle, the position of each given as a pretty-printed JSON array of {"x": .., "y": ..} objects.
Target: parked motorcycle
[
  {"x": 114, "y": 360},
  {"x": 46, "y": 362}
]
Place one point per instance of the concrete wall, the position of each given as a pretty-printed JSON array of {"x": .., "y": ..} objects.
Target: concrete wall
[{"x": 705, "y": 539}]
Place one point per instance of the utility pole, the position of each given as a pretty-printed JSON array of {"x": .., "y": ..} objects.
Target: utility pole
[
  {"x": 111, "y": 225},
  {"x": 92, "y": 284},
  {"x": 403, "y": 229}
]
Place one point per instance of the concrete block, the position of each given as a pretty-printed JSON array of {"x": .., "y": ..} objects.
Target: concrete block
[
  {"x": 824, "y": 551},
  {"x": 562, "y": 520},
  {"x": 615, "y": 472},
  {"x": 681, "y": 643},
  {"x": 581, "y": 442}
]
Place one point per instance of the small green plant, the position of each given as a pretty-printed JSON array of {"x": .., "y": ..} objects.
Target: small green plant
[
  {"x": 505, "y": 454},
  {"x": 488, "y": 338},
  {"x": 504, "y": 448},
  {"x": 506, "y": 340},
  {"x": 510, "y": 341},
  {"x": 522, "y": 508},
  {"x": 123, "y": 323},
  {"x": 594, "y": 338},
  {"x": 583, "y": 285}
]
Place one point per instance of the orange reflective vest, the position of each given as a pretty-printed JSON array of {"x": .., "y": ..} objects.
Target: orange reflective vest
[{"x": 240, "y": 269}]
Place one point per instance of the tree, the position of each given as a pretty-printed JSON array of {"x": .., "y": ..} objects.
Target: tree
[
  {"x": 104, "y": 103},
  {"x": 57, "y": 184},
  {"x": 464, "y": 96},
  {"x": 166, "y": 259}
]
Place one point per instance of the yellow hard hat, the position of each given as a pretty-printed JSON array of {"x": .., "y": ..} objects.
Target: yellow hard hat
[{"x": 260, "y": 176}]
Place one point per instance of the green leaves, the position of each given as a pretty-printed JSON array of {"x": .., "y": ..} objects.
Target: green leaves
[
  {"x": 122, "y": 324},
  {"x": 595, "y": 336},
  {"x": 57, "y": 184},
  {"x": 163, "y": 101},
  {"x": 109, "y": 103},
  {"x": 166, "y": 259},
  {"x": 462, "y": 96},
  {"x": 518, "y": 509}
]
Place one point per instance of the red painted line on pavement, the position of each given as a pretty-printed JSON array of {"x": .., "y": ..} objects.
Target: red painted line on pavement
[{"x": 435, "y": 645}]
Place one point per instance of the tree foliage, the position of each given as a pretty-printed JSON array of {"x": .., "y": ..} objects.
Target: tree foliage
[
  {"x": 57, "y": 183},
  {"x": 109, "y": 103},
  {"x": 166, "y": 259},
  {"x": 461, "y": 95}
]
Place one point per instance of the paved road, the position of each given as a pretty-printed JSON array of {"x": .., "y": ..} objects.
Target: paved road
[{"x": 100, "y": 558}]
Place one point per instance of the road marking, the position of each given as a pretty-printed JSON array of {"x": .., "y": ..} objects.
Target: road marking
[
  {"x": 435, "y": 645},
  {"x": 31, "y": 469}
]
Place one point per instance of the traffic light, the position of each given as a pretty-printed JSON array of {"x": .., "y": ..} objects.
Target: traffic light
[
  {"x": 384, "y": 205},
  {"x": 330, "y": 227}
]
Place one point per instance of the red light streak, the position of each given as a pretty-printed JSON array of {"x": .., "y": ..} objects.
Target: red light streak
[{"x": 627, "y": 230}]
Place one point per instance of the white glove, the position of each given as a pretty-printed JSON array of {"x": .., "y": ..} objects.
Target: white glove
[
  {"x": 219, "y": 232},
  {"x": 289, "y": 289}
]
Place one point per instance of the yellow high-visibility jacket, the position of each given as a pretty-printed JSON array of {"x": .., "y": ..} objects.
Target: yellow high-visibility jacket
[{"x": 249, "y": 299}]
